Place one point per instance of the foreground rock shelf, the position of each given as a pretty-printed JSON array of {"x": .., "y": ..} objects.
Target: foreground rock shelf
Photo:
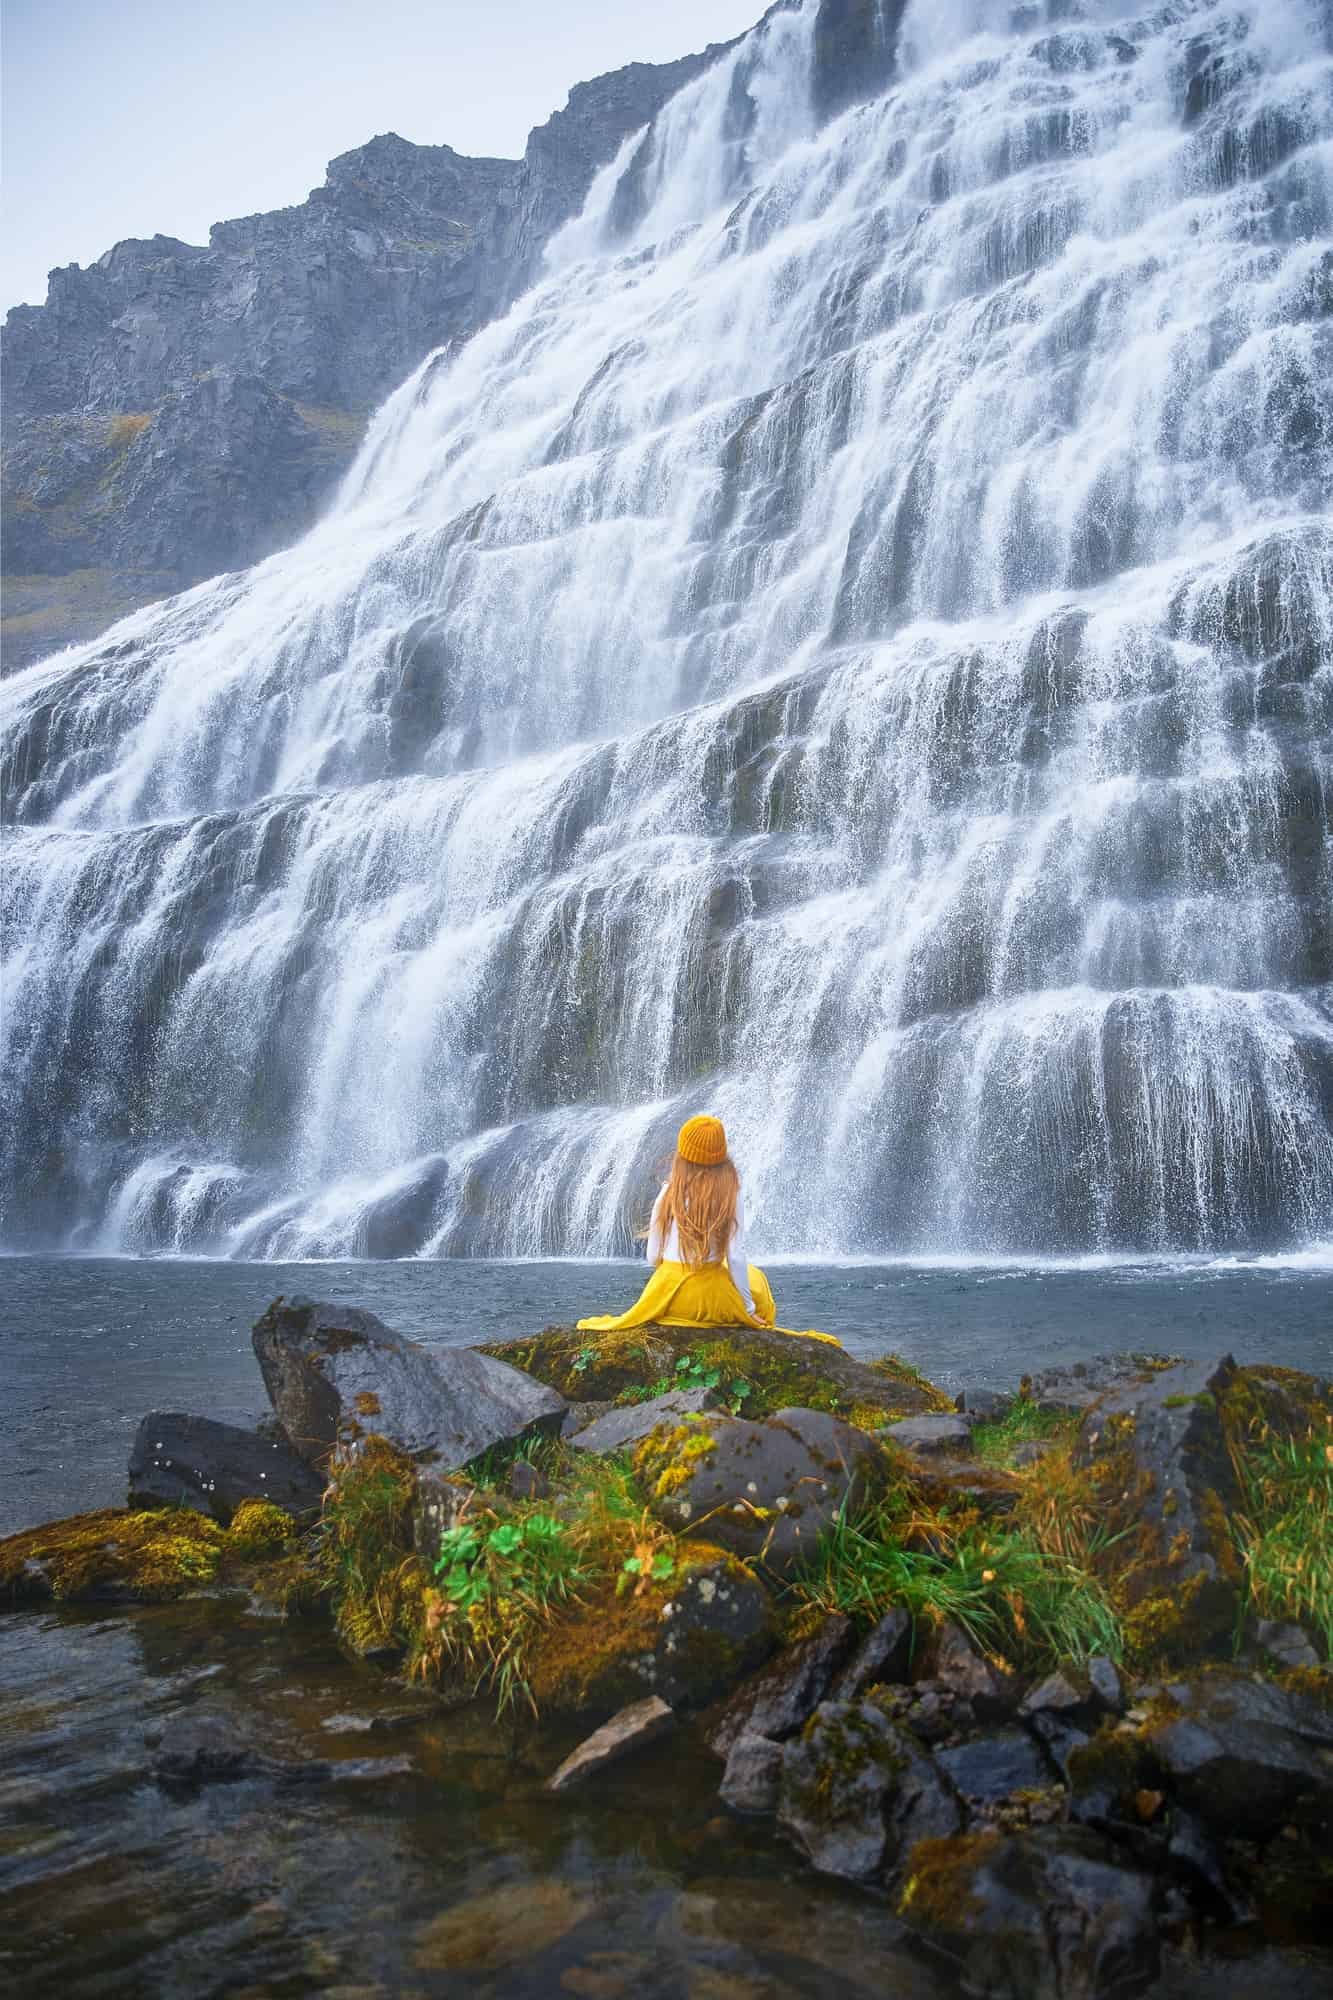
[{"x": 1048, "y": 1676}]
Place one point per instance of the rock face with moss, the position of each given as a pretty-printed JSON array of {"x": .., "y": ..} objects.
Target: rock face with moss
[{"x": 1168, "y": 1480}]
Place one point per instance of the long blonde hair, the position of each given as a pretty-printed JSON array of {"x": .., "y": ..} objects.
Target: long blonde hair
[{"x": 701, "y": 1201}]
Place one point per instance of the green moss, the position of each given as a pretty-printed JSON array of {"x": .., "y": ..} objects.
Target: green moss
[
  {"x": 258, "y": 1528},
  {"x": 150, "y": 1557},
  {"x": 939, "y": 1891}
]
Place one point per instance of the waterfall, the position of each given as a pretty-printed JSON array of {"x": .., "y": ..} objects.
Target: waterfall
[{"x": 851, "y": 650}]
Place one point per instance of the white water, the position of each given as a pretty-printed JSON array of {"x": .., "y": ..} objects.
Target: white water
[{"x": 853, "y": 650}]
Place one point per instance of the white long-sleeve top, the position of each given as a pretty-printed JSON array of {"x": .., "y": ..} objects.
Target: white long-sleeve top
[{"x": 665, "y": 1248}]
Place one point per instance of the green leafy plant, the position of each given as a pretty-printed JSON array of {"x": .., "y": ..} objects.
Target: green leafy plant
[
  {"x": 691, "y": 1373},
  {"x": 583, "y": 1361},
  {"x": 494, "y": 1586}
]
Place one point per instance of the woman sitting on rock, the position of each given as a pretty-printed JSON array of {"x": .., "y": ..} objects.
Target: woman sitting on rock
[{"x": 697, "y": 1248}]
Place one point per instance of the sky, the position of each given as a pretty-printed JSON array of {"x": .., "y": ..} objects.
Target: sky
[{"x": 146, "y": 117}]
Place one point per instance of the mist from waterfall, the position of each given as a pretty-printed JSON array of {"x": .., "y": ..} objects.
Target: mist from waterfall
[{"x": 852, "y": 650}]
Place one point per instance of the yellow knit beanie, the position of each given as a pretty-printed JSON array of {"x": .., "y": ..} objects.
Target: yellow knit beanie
[{"x": 702, "y": 1142}]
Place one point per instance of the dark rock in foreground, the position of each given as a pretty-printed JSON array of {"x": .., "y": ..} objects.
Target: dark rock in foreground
[
  {"x": 1058, "y": 1914},
  {"x": 634, "y": 1727},
  {"x": 336, "y": 1373},
  {"x": 858, "y": 1793},
  {"x": 1160, "y": 1448},
  {"x": 781, "y": 1697},
  {"x": 183, "y": 1461}
]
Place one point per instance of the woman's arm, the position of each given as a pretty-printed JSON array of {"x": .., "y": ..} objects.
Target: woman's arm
[{"x": 653, "y": 1247}]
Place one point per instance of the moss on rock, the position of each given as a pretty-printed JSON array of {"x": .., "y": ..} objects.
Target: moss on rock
[{"x": 113, "y": 1554}]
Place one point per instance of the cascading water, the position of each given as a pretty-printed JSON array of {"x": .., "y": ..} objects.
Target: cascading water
[{"x": 853, "y": 649}]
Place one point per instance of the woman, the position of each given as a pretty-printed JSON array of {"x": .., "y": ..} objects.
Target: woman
[{"x": 697, "y": 1248}]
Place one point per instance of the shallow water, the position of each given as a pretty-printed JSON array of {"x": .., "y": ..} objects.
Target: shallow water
[{"x": 88, "y": 1346}]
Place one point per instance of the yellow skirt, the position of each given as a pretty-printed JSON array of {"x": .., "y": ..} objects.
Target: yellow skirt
[{"x": 700, "y": 1295}]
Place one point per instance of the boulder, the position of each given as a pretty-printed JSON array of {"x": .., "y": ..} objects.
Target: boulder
[
  {"x": 1243, "y": 1754},
  {"x": 953, "y": 1661},
  {"x": 991, "y": 1767},
  {"x": 1055, "y": 1914},
  {"x": 779, "y": 1371},
  {"x": 639, "y": 1724},
  {"x": 196, "y": 1749},
  {"x": 335, "y": 1373},
  {"x": 857, "y": 1793},
  {"x": 1104, "y": 1684},
  {"x": 628, "y": 1424},
  {"x": 884, "y": 1654},
  {"x": 752, "y": 1781},
  {"x": 687, "y": 1641},
  {"x": 1166, "y": 1475},
  {"x": 780, "y": 1697},
  {"x": 984, "y": 1406},
  {"x": 1285, "y": 1645},
  {"x": 766, "y": 1490},
  {"x": 183, "y": 1461},
  {"x": 942, "y": 1433}
]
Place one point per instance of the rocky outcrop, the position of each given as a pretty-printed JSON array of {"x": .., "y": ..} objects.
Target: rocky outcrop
[
  {"x": 175, "y": 410},
  {"x": 335, "y": 1374}
]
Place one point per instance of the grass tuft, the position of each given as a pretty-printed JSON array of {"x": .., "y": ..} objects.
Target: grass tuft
[{"x": 1285, "y": 1536}]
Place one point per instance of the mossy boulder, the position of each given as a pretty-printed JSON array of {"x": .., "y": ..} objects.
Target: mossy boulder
[
  {"x": 688, "y": 1638},
  {"x": 765, "y": 1490},
  {"x": 857, "y": 1793},
  {"x": 112, "y": 1556},
  {"x": 779, "y": 1370}
]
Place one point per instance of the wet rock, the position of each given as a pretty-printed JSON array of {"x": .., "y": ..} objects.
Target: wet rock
[
  {"x": 1286, "y": 1645},
  {"x": 1071, "y": 1390},
  {"x": 929, "y": 1435},
  {"x": 335, "y": 1373},
  {"x": 193, "y": 1750},
  {"x": 1059, "y": 1737},
  {"x": 1168, "y": 1477},
  {"x": 991, "y": 1767},
  {"x": 857, "y": 1793},
  {"x": 784, "y": 1693},
  {"x": 1054, "y": 1914},
  {"x": 502, "y": 1926},
  {"x": 963, "y": 1482},
  {"x": 884, "y": 1654},
  {"x": 526, "y": 1483},
  {"x": 752, "y": 1780},
  {"x": 1246, "y": 1754},
  {"x": 579, "y": 1416},
  {"x": 621, "y": 1427},
  {"x": 1105, "y": 1684},
  {"x": 1061, "y": 1694},
  {"x": 184, "y": 1461},
  {"x": 438, "y": 1505},
  {"x": 984, "y": 1405},
  {"x": 634, "y": 1727},
  {"x": 717, "y": 1624},
  {"x": 933, "y": 1713},
  {"x": 953, "y": 1661},
  {"x": 766, "y": 1490}
]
